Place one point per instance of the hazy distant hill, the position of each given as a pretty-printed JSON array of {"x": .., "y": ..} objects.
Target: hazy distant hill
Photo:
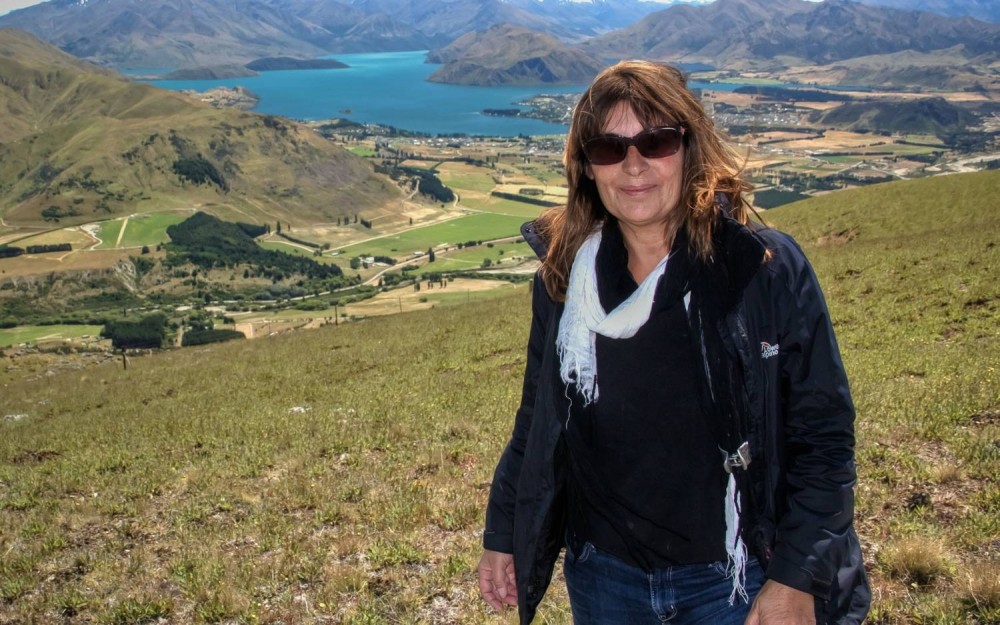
[
  {"x": 172, "y": 34},
  {"x": 986, "y": 10},
  {"x": 771, "y": 34},
  {"x": 933, "y": 116},
  {"x": 164, "y": 33},
  {"x": 79, "y": 143},
  {"x": 506, "y": 55},
  {"x": 216, "y": 72},
  {"x": 284, "y": 63}
]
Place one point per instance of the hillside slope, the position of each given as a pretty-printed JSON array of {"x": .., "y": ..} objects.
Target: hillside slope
[
  {"x": 749, "y": 34},
  {"x": 510, "y": 55},
  {"x": 83, "y": 144},
  {"x": 173, "y": 34},
  {"x": 342, "y": 473}
]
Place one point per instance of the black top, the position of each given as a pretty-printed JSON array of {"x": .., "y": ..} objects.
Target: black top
[{"x": 647, "y": 482}]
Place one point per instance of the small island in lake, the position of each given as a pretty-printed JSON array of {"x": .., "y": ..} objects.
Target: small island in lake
[
  {"x": 277, "y": 63},
  {"x": 225, "y": 97},
  {"x": 214, "y": 72}
]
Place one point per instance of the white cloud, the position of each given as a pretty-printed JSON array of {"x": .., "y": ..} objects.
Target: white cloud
[{"x": 6, "y": 6}]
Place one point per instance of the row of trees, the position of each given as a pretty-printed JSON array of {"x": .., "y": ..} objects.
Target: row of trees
[{"x": 10, "y": 251}]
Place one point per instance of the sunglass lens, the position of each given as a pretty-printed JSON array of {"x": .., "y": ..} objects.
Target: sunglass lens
[
  {"x": 658, "y": 142},
  {"x": 605, "y": 150}
]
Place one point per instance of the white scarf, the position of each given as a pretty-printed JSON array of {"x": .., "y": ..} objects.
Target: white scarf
[
  {"x": 584, "y": 318},
  {"x": 576, "y": 343}
]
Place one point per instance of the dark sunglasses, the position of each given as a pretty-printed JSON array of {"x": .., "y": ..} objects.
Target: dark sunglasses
[{"x": 659, "y": 142}]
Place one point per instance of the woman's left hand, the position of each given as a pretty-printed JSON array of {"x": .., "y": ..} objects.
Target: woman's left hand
[{"x": 777, "y": 604}]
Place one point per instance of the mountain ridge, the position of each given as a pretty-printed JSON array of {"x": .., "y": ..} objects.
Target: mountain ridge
[
  {"x": 79, "y": 143},
  {"x": 154, "y": 34},
  {"x": 526, "y": 57}
]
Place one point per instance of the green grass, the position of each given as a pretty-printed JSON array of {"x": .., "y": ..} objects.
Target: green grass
[
  {"x": 909, "y": 270},
  {"x": 150, "y": 228},
  {"x": 504, "y": 207},
  {"x": 472, "y": 181},
  {"x": 479, "y": 227},
  {"x": 340, "y": 474},
  {"x": 472, "y": 258},
  {"x": 34, "y": 334},
  {"x": 108, "y": 232},
  {"x": 361, "y": 151},
  {"x": 842, "y": 159}
]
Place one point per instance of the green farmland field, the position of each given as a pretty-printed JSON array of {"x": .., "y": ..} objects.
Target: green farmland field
[
  {"x": 482, "y": 227},
  {"x": 150, "y": 228},
  {"x": 472, "y": 258},
  {"x": 108, "y": 232},
  {"x": 34, "y": 334}
]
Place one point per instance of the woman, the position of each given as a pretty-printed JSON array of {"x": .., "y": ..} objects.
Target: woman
[{"x": 685, "y": 428}]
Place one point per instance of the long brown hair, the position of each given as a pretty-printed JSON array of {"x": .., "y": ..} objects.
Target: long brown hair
[{"x": 658, "y": 95}]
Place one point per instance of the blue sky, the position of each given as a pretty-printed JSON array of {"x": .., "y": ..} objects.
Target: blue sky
[{"x": 7, "y": 6}]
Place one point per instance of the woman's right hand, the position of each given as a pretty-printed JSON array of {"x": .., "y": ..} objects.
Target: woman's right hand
[{"x": 496, "y": 579}]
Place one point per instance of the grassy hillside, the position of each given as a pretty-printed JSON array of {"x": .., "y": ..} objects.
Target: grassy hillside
[
  {"x": 339, "y": 475},
  {"x": 79, "y": 144},
  {"x": 934, "y": 116}
]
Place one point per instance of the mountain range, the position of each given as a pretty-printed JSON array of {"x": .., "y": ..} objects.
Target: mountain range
[
  {"x": 753, "y": 34},
  {"x": 541, "y": 42},
  {"x": 985, "y": 10},
  {"x": 79, "y": 143},
  {"x": 148, "y": 34}
]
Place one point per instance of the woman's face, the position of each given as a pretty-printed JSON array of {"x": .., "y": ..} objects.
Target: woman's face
[{"x": 640, "y": 192}]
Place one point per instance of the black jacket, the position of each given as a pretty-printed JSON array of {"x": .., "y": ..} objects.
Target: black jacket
[{"x": 793, "y": 404}]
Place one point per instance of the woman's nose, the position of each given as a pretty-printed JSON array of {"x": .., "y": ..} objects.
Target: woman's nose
[{"x": 634, "y": 162}]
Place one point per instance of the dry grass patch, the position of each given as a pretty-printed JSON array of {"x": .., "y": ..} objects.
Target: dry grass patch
[
  {"x": 981, "y": 587},
  {"x": 917, "y": 560}
]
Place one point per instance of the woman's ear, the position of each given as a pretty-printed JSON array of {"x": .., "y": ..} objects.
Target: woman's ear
[{"x": 587, "y": 171}]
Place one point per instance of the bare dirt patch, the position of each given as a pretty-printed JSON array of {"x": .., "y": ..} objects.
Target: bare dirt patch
[
  {"x": 34, "y": 264},
  {"x": 838, "y": 238}
]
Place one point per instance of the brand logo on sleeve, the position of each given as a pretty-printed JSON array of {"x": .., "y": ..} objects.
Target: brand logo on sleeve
[{"x": 767, "y": 350}]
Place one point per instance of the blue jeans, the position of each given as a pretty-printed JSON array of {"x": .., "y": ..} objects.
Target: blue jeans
[{"x": 603, "y": 590}]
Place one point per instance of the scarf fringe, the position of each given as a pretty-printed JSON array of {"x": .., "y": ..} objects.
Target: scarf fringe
[{"x": 735, "y": 548}]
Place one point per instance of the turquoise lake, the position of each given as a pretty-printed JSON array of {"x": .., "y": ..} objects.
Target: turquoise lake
[{"x": 389, "y": 89}]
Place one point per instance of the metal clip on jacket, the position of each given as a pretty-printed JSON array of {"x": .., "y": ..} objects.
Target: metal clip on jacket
[{"x": 739, "y": 460}]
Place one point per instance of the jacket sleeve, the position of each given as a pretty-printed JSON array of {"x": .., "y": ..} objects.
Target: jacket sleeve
[
  {"x": 500, "y": 509},
  {"x": 814, "y": 523}
]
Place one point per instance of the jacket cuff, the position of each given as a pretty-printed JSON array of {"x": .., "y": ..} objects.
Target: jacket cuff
[
  {"x": 504, "y": 543},
  {"x": 784, "y": 572}
]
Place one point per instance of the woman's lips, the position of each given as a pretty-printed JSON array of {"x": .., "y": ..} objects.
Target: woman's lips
[{"x": 636, "y": 190}]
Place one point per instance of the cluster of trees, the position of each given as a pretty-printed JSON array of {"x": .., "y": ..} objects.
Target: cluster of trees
[
  {"x": 427, "y": 181},
  {"x": 54, "y": 247},
  {"x": 202, "y": 331},
  {"x": 289, "y": 237},
  {"x": 199, "y": 171},
  {"x": 253, "y": 230},
  {"x": 145, "y": 333},
  {"x": 520, "y": 198},
  {"x": 55, "y": 213},
  {"x": 209, "y": 242}
]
